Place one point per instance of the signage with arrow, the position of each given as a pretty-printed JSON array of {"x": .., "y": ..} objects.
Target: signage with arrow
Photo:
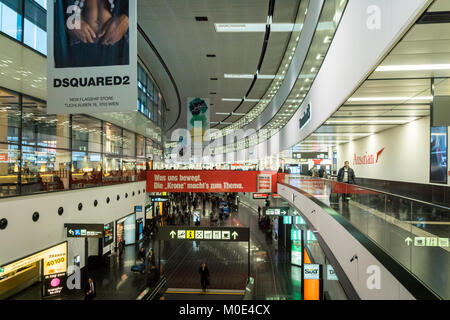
[
  {"x": 204, "y": 233},
  {"x": 408, "y": 241},
  {"x": 84, "y": 230},
  {"x": 277, "y": 211}
]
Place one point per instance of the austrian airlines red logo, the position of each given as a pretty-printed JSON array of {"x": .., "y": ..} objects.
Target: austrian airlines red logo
[
  {"x": 367, "y": 158},
  {"x": 379, "y": 153}
]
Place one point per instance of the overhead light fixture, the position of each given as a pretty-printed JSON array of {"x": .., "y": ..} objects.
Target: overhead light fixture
[
  {"x": 251, "y": 76},
  {"x": 425, "y": 98},
  {"x": 398, "y": 121},
  {"x": 210, "y": 55},
  {"x": 213, "y": 79},
  {"x": 417, "y": 67},
  {"x": 340, "y": 134},
  {"x": 203, "y": 18},
  {"x": 213, "y": 93},
  {"x": 231, "y": 100}
]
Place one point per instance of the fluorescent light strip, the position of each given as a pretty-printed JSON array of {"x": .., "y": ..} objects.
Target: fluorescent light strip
[
  {"x": 418, "y": 67},
  {"x": 230, "y": 113},
  {"x": 341, "y": 134},
  {"x": 370, "y": 121},
  {"x": 250, "y": 76},
  {"x": 428, "y": 98},
  {"x": 261, "y": 27}
]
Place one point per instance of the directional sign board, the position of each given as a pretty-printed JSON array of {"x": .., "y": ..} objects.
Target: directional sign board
[
  {"x": 277, "y": 211},
  {"x": 204, "y": 233},
  {"x": 84, "y": 230}
]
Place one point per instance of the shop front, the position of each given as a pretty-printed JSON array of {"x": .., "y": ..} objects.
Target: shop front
[
  {"x": 49, "y": 267},
  {"x": 126, "y": 230}
]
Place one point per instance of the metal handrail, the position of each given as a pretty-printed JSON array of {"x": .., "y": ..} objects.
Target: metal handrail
[{"x": 384, "y": 192}]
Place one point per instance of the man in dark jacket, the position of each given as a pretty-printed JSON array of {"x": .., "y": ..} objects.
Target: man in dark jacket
[
  {"x": 90, "y": 290},
  {"x": 204, "y": 276},
  {"x": 346, "y": 175}
]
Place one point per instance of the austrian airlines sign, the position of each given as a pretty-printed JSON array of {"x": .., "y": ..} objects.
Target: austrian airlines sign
[{"x": 367, "y": 158}]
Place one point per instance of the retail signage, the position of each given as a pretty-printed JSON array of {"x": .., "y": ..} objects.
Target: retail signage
[
  {"x": 137, "y": 208},
  {"x": 55, "y": 260},
  {"x": 54, "y": 284},
  {"x": 159, "y": 198},
  {"x": 3, "y": 157},
  {"x": 260, "y": 195},
  {"x": 287, "y": 220},
  {"x": 204, "y": 233},
  {"x": 275, "y": 196},
  {"x": 309, "y": 155},
  {"x": 198, "y": 118},
  {"x": 108, "y": 237},
  {"x": 428, "y": 242},
  {"x": 296, "y": 253},
  {"x": 311, "y": 272},
  {"x": 84, "y": 230},
  {"x": 331, "y": 274},
  {"x": 91, "y": 63},
  {"x": 264, "y": 183},
  {"x": 304, "y": 119},
  {"x": 204, "y": 181},
  {"x": 276, "y": 211}
]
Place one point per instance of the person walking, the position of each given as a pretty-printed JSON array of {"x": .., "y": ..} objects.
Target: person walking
[
  {"x": 151, "y": 257},
  {"x": 90, "y": 290},
  {"x": 204, "y": 276},
  {"x": 121, "y": 248},
  {"x": 259, "y": 213},
  {"x": 346, "y": 175}
]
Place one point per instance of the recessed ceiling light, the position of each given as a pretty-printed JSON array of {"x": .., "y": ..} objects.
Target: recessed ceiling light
[
  {"x": 211, "y": 55},
  {"x": 213, "y": 93},
  {"x": 201, "y": 18},
  {"x": 213, "y": 79}
]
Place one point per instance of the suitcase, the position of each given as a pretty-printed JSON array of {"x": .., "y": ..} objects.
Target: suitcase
[{"x": 138, "y": 268}]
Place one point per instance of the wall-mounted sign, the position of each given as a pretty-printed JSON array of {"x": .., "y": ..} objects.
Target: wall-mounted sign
[
  {"x": 367, "y": 158},
  {"x": 264, "y": 183},
  {"x": 275, "y": 196},
  {"x": 260, "y": 195},
  {"x": 84, "y": 230},
  {"x": 204, "y": 233},
  {"x": 54, "y": 284},
  {"x": 108, "y": 234},
  {"x": 309, "y": 155},
  {"x": 137, "y": 208},
  {"x": 296, "y": 253},
  {"x": 306, "y": 117},
  {"x": 159, "y": 198},
  {"x": 331, "y": 274},
  {"x": 3, "y": 157},
  {"x": 296, "y": 235},
  {"x": 299, "y": 220},
  {"x": 55, "y": 260},
  {"x": 287, "y": 220},
  {"x": 91, "y": 71},
  {"x": 276, "y": 211},
  {"x": 311, "y": 272}
]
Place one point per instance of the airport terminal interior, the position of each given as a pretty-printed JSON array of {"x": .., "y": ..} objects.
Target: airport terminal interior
[{"x": 224, "y": 150}]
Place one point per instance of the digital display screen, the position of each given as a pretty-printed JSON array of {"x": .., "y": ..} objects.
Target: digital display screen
[
  {"x": 109, "y": 233},
  {"x": 438, "y": 155},
  {"x": 296, "y": 253}
]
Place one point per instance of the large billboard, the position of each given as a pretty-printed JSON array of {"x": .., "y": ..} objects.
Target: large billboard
[
  {"x": 92, "y": 56},
  {"x": 438, "y": 155},
  {"x": 202, "y": 181}
]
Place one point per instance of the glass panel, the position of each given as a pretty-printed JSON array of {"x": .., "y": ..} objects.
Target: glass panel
[
  {"x": 140, "y": 150},
  {"x": 44, "y": 169},
  {"x": 86, "y": 170},
  {"x": 9, "y": 117},
  {"x": 11, "y": 21},
  {"x": 41, "y": 129},
  {"x": 128, "y": 143},
  {"x": 112, "y": 139},
  {"x": 112, "y": 172},
  {"x": 86, "y": 134},
  {"x": 9, "y": 170}
]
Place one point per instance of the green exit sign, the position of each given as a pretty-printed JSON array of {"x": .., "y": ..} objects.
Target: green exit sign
[{"x": 2, "y": 270}]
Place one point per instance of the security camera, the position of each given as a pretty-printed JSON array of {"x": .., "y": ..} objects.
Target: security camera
[{"x": 353, "y": 258}]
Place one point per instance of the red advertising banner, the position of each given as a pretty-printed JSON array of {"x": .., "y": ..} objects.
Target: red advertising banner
[
  {"x": 3, "y": 157},
  {"x": 202, "y": 181}
]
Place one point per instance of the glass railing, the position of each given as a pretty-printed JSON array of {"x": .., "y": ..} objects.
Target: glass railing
[{"x": 414, "y": 233}]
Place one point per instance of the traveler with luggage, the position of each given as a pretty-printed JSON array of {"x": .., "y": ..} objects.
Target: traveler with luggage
[{"x": 346, "y": 175}]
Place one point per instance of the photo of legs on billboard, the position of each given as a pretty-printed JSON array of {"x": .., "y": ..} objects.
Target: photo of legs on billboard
[{"x": 91, "y": 33}]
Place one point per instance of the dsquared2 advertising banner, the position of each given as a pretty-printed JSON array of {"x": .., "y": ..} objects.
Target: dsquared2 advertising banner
[{"x": 92, "y": 56}]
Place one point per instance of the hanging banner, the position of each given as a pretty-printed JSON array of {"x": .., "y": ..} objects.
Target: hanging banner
[
  {"x": 202, "y": 181},
  {"x": 92, "y": 56},
  {"x": 198, "y": 118}
]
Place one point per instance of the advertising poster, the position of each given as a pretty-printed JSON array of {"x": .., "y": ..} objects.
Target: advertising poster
[
  {"x": 198, "y": 117},
  {"x": 438, "y": 155},
  {"x": 54, "y": 284},
  {"x": 108, "y": 237},
  {"x": 296, "y": 253},
  {"x": 92, "y": 56}
]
